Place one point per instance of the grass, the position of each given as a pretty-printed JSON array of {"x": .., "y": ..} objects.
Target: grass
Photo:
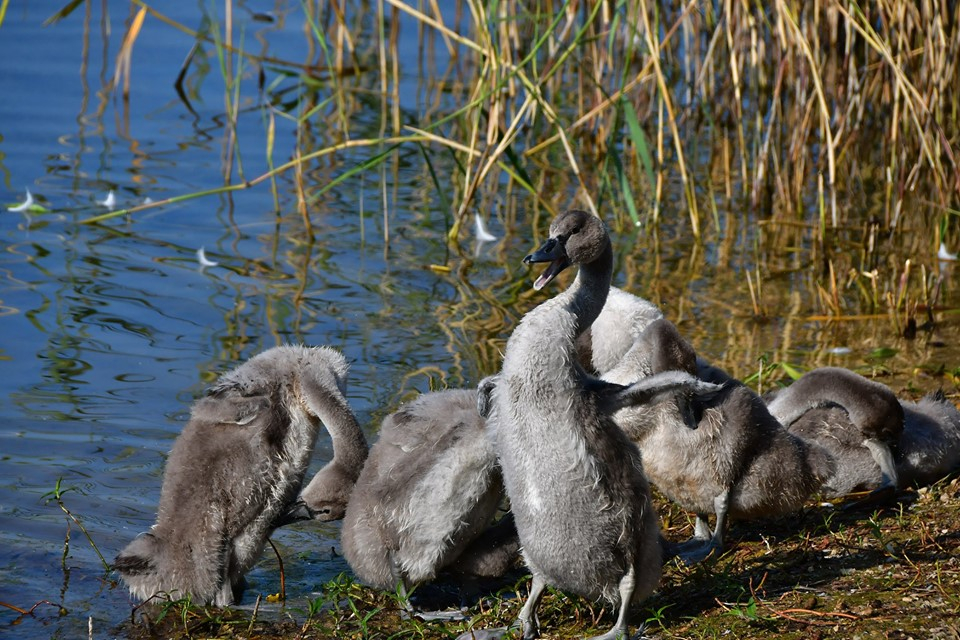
[
  {"x": 847, "y": 571},
  {"x": 781, "y": 97}
]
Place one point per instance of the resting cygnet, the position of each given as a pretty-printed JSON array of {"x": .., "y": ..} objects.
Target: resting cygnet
[
  {"x": 878, "y": 441},
  {"x": 429, "y": 489},
  {"x": 929, "y": 447},
  {"x": 233, "y": 471},
  {"x": 575, "y": 482},
  {"x": 875, "y": 418},
  {"x": 737, "y": 462}
]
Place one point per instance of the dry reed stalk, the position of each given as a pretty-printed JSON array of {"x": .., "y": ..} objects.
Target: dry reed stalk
[
  {"x": 818, "y": 95},
  {"x": 825, "y": 124},
  {"x": 738, "y": 98},
  {"x": 125, "y": 54},
  {"x": 686, "y": 179}
]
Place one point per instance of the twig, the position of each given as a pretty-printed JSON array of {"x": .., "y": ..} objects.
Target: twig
[
  {"x": 783, "y": 613},
  {"x": 283, "y": 583},
  {"x": 28, "y": 612}
]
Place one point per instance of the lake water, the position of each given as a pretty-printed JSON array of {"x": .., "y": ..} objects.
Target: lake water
[{"x": 109, "y": 331}]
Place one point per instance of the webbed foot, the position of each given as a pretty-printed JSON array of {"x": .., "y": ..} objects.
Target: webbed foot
[
  {"x": 693, "y": 551},
  {"x": 450, "y": 615},
  {"x": 617, "y": 633}
]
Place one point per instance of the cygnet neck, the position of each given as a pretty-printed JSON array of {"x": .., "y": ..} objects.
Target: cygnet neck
[{"x": 588, "y": 293}]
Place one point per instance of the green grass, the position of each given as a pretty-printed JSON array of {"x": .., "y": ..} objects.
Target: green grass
[{"x": 841, "y": 572}]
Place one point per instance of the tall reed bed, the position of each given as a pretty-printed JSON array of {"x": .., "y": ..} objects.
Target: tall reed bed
[{"x": 832, "y": 126}]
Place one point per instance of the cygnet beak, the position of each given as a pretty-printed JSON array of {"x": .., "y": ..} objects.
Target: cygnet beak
[{"x": 553, "y": 251}]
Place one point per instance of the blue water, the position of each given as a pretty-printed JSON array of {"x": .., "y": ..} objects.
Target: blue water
[{"x": 108, "y": 332}]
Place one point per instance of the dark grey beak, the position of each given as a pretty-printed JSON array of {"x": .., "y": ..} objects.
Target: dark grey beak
[{"x": 295, "y": 512}]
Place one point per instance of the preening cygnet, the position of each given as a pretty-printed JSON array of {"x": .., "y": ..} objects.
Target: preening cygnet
[
  {"x": 236, "y": 468},
  {"x": 430, "y": 488}
]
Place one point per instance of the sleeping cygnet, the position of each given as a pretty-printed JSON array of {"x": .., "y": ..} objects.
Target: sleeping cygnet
[
  {"x": 233, "y": 472},
  {"x": 737, "y": 461},
  {"x": 879, "y": 442},
  {"x": 873, "y": 422}
]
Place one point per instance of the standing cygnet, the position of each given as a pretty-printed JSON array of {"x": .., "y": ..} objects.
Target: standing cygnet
[
  {"x": 580, "y": 501},
  {"x": 738, "y": 461},
  {"x": 875, "y": 418},
  {"x": 430, "y": 487},
  {"x": 855, "y": 419},
  {"x": 235, "y": 468}
]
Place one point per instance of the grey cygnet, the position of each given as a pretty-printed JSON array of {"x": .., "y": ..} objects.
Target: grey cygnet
[
  {"x": 879, "y": 442},
  {"x": 738, "y": 461},
  {"x": 429, "y": 489},
  {"x": 575, "y": 482},
  {"x": 875, "y": 418},
  {"x": 233, "y": 472}
]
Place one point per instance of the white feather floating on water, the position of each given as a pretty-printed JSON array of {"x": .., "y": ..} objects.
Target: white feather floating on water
[
  {"x": 109, "y": 202},
  {"x": 483, "y": 234},
  {"x": 203, "y": 260},
  {"x": 25, "y": 206},
  {"x": 943, "y": 254}
]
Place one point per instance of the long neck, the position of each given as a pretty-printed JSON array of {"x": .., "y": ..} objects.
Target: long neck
[
  {"x": 588, "y": 293},
  {"x": 544, "y": 343},
  {"x": 349, "y": 445}
]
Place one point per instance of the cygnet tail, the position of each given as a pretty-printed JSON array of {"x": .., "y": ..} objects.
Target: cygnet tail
[{"x": 139, "y": 565}]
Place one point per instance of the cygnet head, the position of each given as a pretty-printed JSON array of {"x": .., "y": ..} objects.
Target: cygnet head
[
  {"x": 327, "y": 494},
  {"x": 576, "y": 237}
]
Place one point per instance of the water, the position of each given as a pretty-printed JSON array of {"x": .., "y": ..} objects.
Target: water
[{"x": 108, "y": 332}]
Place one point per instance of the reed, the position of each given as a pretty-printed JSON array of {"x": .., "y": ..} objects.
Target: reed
[{"x": 781, "y": 115}]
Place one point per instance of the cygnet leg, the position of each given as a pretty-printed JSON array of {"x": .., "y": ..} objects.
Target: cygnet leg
[
  {"x": 403, "y": 592},
  {"x": 526, "y": 622},
  {"x": 225, "y": 595},
  {"x": 884, "y": 458},
  {"x": 701, "y": 528},
  {"x": 721, "y": 505},
  {"x": 627, "y": 585},
  {"x": 703, "y": 544}
]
